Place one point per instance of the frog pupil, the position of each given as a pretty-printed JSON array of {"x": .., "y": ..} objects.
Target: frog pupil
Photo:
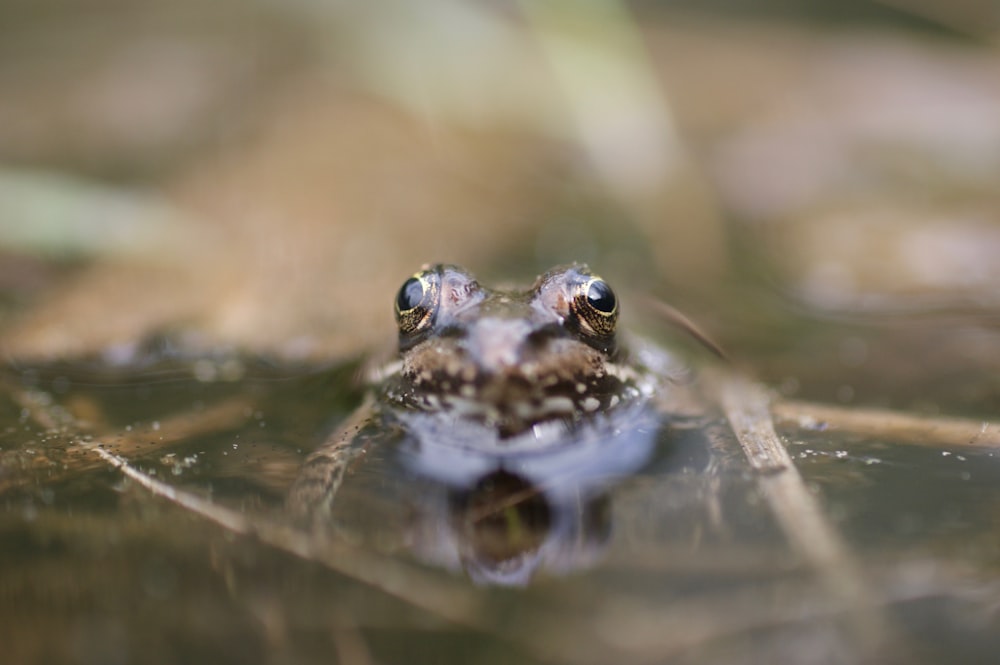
[
  {"x": 410, "y": 294},
  {"x": 601, "y": 297}
]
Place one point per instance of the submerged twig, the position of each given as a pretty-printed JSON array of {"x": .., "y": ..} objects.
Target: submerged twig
[
  {"x": 77, "y": 456},
  {"x": 747, "y": 408},
  {"x": 623, "y": 627},
  {"x": 365, "y": 566},
  {"x": 885, "y": 425}
]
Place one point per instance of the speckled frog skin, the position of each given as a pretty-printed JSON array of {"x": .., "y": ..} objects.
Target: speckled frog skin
[
  {"x": 508, "y": 358},
  {"x": 491, "y": 439}
]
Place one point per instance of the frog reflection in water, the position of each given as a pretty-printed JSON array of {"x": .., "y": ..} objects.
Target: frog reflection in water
[{"x": 511, "y": 412}]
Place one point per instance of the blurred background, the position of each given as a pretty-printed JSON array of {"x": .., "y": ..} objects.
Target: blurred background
[{"x": 817, "y": 183}]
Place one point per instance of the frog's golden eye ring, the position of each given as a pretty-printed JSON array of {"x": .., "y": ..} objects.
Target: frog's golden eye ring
[
  {"x": 596, "y": 306},
  {"x": 416, "y": 302}
]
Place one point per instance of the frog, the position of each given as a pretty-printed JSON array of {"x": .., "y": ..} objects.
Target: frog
[
  {"x": 510, "y": 359},
  {"x": 502, "y": 420}
]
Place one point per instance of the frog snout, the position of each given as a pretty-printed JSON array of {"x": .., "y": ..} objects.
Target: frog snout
[{"x": 496, "y": 345}]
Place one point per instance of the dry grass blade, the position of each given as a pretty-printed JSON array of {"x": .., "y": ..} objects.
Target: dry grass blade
[
  {"x": 451, "y": 602},
  {"x": 886, "y": 425},
  {"x": 446, "y": 597},
  {"x": 679, "y": 320},
  {"x": 625, "y": 628}
]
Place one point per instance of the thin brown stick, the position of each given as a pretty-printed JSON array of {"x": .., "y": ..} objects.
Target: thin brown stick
[
  {"x": 623, "y": 628},
  {"x": 885, "y": 425},
  {"x": 679, "y": 320},
  {"x": 747, "y": 408},
  {"x": 449, "y": 601}
]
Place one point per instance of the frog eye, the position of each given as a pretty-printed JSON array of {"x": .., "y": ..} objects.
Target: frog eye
[
  {"x": 600, "y": 297},
  {"x": 596, "y": 308},
  {"x": 410, "y": 295},
  {"x": 416, "y": 302}
]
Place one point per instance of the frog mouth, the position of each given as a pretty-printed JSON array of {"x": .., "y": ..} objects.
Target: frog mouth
[{"x": 566, "y": 380}]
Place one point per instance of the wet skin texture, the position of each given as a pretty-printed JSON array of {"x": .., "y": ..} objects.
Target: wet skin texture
[
  {"x": 500, "y": 427},
  {"x": 508, "y": 358}
]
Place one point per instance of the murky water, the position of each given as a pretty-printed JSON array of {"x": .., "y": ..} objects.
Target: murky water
[
  {"x": 261, "y": 177},
  {"x": 677, "y": 555}
]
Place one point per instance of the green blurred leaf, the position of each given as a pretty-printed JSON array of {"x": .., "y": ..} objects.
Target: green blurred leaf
[{"x": 58, "y": 216}]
